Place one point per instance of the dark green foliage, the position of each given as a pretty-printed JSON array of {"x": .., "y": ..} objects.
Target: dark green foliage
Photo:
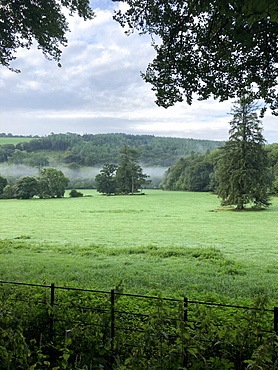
[
  {"x": 52, "y": 183},
  {"x": 126, "y": 178},
  {"x": 209, "y": 48},
  {"x": 3, "y": 184},
  {"x": 8, "y": 192},
  {"x": 272, "y": 152},
  {"x": 25, "y": 188},
  {"x": 129, "y": 176},
  {"x": 105, "y": 180},
  {"x": 6, "y": 151},
  {"x": 23, "y": 22},
  {"x": 243, "y": 173},
  {"x": 28, "y": 159},
  {"x": 82, "y": 183},
  {"x": 75, "y": 194},
  {"x": 74, "y": 166},
  {"x": 192, "y": 173},
  {"x": 93, "y": 150}
]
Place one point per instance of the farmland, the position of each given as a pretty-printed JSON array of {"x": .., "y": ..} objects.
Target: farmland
[
  {"x": 173, "y": 243},
  {"x": 14, "y": 140}
]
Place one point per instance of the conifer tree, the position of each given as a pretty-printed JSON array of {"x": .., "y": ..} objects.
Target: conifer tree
[
  {"x": 243, "y": 175},
  {"x": 130, "y": 176}
]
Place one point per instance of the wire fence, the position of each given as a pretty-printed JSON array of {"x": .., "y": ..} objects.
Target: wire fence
[{"x": 121, "y": 313}]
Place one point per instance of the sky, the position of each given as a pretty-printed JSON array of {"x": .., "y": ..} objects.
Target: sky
[{"x": 99, "y": 89}]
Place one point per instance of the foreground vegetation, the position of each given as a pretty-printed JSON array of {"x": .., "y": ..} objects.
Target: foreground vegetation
[
  {"x": 173, "y": 243},
  {"x": 89, "y": 330}
]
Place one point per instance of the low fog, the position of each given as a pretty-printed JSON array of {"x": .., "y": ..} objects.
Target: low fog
[
  {"x": 11, "y": 171},
  {"x": 17, "y": 170},
  {"x": 155, "y": 171}
]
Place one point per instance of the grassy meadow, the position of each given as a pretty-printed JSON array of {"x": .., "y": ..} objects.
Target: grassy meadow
[
  {"x": 168, "y": 243},
  {"x": 14, "y": 140}
]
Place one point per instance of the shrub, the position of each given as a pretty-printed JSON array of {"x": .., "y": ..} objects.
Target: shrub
[{"x": 75, "y": 194}]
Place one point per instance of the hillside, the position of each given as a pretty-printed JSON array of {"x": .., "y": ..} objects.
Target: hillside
[{"x": 94, "y": 150}]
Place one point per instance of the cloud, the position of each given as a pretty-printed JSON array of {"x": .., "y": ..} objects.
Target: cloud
[{"x": 99, "y": 89}]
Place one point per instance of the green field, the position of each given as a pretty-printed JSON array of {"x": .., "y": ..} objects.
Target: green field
[
  {"x": 14, "y": 140},
  {"x": 173, "y": 243}
]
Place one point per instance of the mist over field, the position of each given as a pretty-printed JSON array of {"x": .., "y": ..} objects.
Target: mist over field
[
  {"x": 19, "y": 170},
  {"x": 154, "y": 171},
  {"x": 83, "y": 172}
]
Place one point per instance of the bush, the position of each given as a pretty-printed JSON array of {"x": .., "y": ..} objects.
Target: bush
[{"x": 75, "y": 194}]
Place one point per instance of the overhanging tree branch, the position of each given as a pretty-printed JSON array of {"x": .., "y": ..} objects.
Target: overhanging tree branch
[
  {"x": 209, "y": 48},
  {"x": 24, "y": 21}
]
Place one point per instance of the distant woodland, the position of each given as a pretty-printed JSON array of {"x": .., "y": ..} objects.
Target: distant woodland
[
  {"x": 198, "y": 172},
  {"x": 95, "y": 150},
  {"x": 172, "y": 163}
]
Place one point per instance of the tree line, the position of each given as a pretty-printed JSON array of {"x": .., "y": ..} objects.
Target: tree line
[
  {"x": 50, "y": 183},
  {"x": 198, "y": 172},
  {"x": 126, "y": 177},
  {"x": 95, "y": 150},
  {"x": 241, "y": 172}
]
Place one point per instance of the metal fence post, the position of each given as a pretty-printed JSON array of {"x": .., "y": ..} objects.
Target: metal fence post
[
  {"x": 185, "y": 304},
  {"x": 185, "y": 354},
  {"x": 112, "y": 320},
  {"x": 112, "y": 299},
  {"x": 276, "y": 320},
  {"x": 51, "y": 316}
]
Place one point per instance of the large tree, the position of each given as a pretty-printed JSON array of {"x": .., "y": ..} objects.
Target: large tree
[
  {"x": 129, "y": 176},
  {"x": 52, "y": 183},
  {"x": 216, "y": 48},
  {"x": 25, "y": 188},
  {"x": 24, "y": 21},
  {"x": 243, "y": 173},
  {"x": 105, "y": 180}
]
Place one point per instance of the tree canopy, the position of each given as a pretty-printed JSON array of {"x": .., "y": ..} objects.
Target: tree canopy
[
  {"x": 125, "y": 178},
  {"x": 25, "y": 188},
  {"x": 92, "y": 150},
  {"x": 24, "y": 21},
  {"x": 105, "y": 180},
  {"x": 194, "y": 172},
  {"x": 52, "y": 183},
  {"x": 243, "y": 175},
  {"x": 210, "y": 48},
  {"x": 129, "y": 175}
]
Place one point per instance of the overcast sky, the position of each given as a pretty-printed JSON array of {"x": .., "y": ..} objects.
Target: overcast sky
[{"x": 99, "y": 89}]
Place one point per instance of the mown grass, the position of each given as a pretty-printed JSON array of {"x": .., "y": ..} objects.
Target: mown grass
[{"x": 173, "y": 243}]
